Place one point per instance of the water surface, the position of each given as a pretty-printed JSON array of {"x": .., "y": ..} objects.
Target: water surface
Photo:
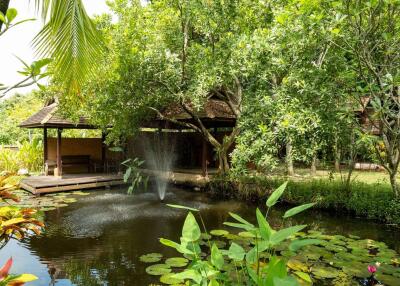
[{"x": 98, "y": 240}]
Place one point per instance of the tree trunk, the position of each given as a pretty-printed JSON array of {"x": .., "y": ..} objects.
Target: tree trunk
[
  {"x": 337, "y": 155},
  {"x": 3, "y": 8},
  {"x": 314, "y": 165},
  {"x": 393, "y": 182},
  {"x": 289, "y": 158},
  {"x": 223, "y": 164}
]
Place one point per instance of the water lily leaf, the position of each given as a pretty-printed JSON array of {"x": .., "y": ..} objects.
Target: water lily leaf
[
  {"x": 303, "y": 276},
  {"x": 151, "y": 257},
  {"x": 246, "y": 234},
  {"x": 158, "y": 269},
  {"x": 219, "y": 232},
  {"x": 297, "y": 265},
  {"x": 323, "y": 272},
  {"x": 177, "y": 262},
  {"x": 297, "y": 244},
  {"x": 169, "y": 279}
]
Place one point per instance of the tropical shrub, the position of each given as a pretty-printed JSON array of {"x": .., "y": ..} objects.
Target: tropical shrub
[
  {"x": 28, "y": 156},
  {"x": 16, "y": 222},
  {"x": 374, "y": 201},
  {"x": 134, "y": 175},
  {"x": 7, "y": 279}
]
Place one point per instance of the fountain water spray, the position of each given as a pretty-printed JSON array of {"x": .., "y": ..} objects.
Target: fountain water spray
[{"x": 159, "y": 156}]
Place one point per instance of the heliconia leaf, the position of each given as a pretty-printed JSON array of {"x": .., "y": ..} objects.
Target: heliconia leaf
[
  {"x": 296, "y": 210},
  {"x": 182, "y": 207},
  {"x": 6, "y": 268},
  {"x": 274, "y": 197},
  {"x": 23, "y": 278}
]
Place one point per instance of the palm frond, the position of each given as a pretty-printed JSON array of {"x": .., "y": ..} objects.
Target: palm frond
[{"x": 69, "y": 37}]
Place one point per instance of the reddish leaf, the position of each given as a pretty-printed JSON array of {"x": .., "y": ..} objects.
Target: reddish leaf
[{"x": 6, "y": 268}]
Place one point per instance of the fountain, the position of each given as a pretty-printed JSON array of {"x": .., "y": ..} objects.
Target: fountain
[{"x": 160, "y": 155}]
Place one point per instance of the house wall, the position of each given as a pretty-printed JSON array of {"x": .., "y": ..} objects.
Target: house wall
[{"x": 75, "y": 146}]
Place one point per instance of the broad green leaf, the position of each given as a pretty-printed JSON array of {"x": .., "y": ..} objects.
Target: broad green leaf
[
  {"x": 240, "y": 225},
  {"x": 189, "y": 274},
  {"x": 287, "y": 281},
  {"x": 297, "y": 244},
  {"x": 127, "y": 174},
  {"x": 182, "y": 207},
  {"x": 276, "y": 269},
  {"x": 213, "y": 282},
  {"x": 216, "y": 257},
  {"x": 191, "y": 230},
  {"x": 180, "y": 248},
  {"x": 285, "y": 233},
  {"x": 296, "y": 210},
  {"x": 274, "y": 197},
  {"x": 2, "y": 17},
  {"x": 265, "y": 229},
  {"x": 236, "y": 252},
  {"x": 240, "y": 219},
  {"x": 11, "y": 14}
]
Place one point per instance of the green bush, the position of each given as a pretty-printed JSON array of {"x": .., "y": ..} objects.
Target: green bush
[
  {"x": 375, "y": 201},
  {"x": 29, "y": 156}
]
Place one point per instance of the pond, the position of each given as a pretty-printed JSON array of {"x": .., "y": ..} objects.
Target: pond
[{"x": 99, "y": 239}]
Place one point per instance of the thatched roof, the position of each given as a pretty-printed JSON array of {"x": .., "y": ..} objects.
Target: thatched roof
[{"x": 49, "y": 117}]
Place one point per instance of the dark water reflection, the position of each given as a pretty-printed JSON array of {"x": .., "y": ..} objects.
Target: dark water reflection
[{"x": 98, "y": 240}]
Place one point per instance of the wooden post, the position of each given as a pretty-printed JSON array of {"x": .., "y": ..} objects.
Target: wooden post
[
  {"x": 103, "y": 149},
  {"x": 204, "y": 158},
  {"x": 59, "y": 163},
  {"x": 45, "y": 151}
]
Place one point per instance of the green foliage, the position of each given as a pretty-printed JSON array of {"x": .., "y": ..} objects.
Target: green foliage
[
  {"x": 28, "y": 156},
  {"x": 134, "y": 175},
  {"x": 13, "y": 111},
  {"x": 374, "y": 201},
  {"x": 255, "y": 265}
]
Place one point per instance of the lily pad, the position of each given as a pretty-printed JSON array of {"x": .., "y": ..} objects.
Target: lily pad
[
  {"x": 151, "y": 257},
  {"x": 170, "y": 280},
  {"x": 158, "y": 269},
  {"x": 324, "y": 272},
  {"x": 177, "y": 262},
  {"x": 219, "y": 232}
]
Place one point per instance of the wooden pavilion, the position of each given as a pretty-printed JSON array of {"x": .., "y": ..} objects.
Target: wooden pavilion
[
  {"x": 77, "y": 160},
  {"x": 82, "y": 157}
]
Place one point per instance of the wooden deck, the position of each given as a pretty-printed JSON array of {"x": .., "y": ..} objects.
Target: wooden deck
[{"x": 51, "y": 184}]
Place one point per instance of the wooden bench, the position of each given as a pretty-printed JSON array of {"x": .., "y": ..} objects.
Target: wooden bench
[{"x": 76, "y": 161}]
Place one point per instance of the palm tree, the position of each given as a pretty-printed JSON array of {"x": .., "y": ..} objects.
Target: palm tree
[{"x": 69, "y": 37}]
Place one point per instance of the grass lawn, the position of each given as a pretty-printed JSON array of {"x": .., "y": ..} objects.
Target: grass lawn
[{"x": 369, "y": 177}]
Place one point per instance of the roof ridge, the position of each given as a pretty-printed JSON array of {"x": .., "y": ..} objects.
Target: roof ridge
[{"x": 50, "y": 114}]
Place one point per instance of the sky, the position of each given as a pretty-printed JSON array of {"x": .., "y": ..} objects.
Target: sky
[{"x": 17, "y": 41}]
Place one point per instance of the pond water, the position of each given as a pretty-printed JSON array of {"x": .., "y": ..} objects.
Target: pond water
[{"x": 98, "y": 240}]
